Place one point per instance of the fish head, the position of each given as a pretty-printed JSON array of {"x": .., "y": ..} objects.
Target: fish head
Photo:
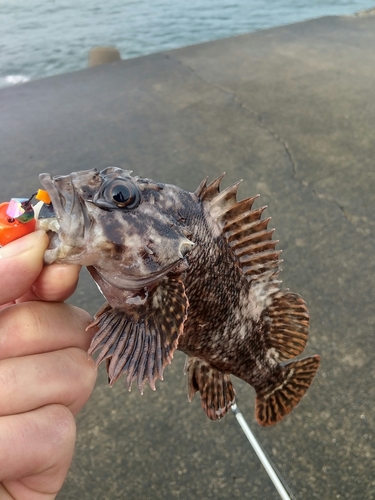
[{"x": 123, "y": 226}]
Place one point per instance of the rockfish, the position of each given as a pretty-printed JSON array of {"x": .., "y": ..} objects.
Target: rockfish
[{"x": 198, "y": 272}]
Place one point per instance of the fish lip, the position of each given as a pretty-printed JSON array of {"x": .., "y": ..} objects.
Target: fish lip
[
  {"x": 47, "y": 182},
  {"x": 60, "y": 241}
]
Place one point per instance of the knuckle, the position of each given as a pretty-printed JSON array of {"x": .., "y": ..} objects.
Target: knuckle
[
  {"x": 62, "y": 426},
  {"x": 83, "y": 371}
]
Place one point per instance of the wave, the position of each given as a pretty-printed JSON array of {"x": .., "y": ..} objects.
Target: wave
[{"x": 7, "y": 81}]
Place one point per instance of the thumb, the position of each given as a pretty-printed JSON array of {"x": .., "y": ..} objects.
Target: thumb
[{"x": 21, "y": 262}]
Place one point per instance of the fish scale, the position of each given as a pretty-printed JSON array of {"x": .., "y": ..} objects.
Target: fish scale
[{"x": 198, "y": 272}]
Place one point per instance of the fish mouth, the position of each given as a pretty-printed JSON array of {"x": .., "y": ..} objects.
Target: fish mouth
[
  {"x": 62, "y": 219},
  {"x": 46, "y": 219}
]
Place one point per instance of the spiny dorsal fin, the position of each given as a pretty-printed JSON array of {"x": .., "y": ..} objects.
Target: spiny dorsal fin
[
  {"x": 242, "y": 227},
  {"x": 207, "y": 192}
]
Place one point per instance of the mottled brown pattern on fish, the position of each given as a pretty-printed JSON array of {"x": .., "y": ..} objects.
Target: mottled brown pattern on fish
[{"x": 194, "y": 271}]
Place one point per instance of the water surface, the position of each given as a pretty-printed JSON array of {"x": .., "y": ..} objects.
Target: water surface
[{"x": 39, "y": 38}]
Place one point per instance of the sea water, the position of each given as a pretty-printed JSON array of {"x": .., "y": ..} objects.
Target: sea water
[{"x": 39, "y": 38}]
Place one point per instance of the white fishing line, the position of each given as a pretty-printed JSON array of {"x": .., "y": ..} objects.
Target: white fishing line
[{"x": 261, "y": 455}]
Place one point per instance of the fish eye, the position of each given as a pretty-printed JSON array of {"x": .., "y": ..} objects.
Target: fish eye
[
  {"x": 119, "y": 193},
  {"x": 123, "y": 194}
]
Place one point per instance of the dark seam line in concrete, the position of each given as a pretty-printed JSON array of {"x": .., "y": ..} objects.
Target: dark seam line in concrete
[
  {"x": 279, "y": 139},
  {"x": 242, "y": 105}
]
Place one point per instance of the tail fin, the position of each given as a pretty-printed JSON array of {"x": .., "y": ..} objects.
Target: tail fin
[{"x": 276, "y": 400}]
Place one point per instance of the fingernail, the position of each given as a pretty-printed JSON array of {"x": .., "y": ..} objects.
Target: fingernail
[{"x": 23, "y": 244}]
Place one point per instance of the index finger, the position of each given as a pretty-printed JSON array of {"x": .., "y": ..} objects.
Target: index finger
[{"x": 21, "y": 262}]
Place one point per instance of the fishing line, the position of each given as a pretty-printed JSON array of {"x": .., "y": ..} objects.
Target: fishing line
[{"x": 271, "y": 470}]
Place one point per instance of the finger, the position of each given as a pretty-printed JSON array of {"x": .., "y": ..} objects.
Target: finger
[
  {"x": 7, "y": 304},
  {"x": 54, "y": 283},
  {"x": 37, "y": 327},
  {"x": 37, "y": 446},
  {"x": 21, "y": 261},
  {"x": 64, "y": 377}
]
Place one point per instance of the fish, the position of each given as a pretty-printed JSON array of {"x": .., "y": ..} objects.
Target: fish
[{"x": 194, "y": 271}]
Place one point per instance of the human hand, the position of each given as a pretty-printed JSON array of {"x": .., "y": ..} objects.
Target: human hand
[{"x": 45, "y": 375}]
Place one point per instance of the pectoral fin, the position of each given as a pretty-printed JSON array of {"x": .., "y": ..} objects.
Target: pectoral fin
[
  {"x": 215, "y": 387},
  {"x": 139, "y": 341}
]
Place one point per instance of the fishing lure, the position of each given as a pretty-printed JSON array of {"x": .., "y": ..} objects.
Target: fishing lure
[{"x": 18, "y": 216}]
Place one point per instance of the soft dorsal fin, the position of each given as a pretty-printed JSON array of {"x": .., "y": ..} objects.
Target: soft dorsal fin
[
  {"x": 243, "y": 228},
  {"x": 287, "y": 325}
]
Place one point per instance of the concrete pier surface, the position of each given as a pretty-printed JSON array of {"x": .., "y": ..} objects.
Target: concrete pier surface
[{"x": 291, "y": 111}]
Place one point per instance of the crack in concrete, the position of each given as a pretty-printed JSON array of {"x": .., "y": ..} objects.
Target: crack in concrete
[
  {"x": 292, "y": 161},
  {"x": 280, "y": 140}
]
